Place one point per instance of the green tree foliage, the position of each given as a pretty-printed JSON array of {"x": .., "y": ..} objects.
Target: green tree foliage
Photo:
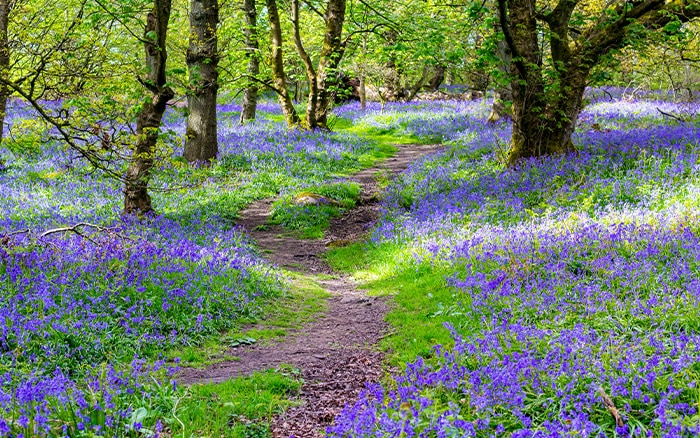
[{"x": 80, "y": 68}]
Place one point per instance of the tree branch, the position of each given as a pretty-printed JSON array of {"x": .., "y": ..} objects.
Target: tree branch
[
  {"x": 76, "y": 229},
  {"x": 673, "y": 116},
  {"x": 505, "y": 27},
  {"x": 361, "y": 31},
  {"x": 314, "y": 9}
]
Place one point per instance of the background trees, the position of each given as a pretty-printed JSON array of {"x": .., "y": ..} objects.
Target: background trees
[{"x": 545, "y": 53}]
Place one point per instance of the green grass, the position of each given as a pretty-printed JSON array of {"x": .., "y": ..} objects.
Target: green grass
[
  {"x": 243, "y": 407},
  {"x": 303, "y": 301},
  {"x": 311, "y": 221},
  {"x": 385, "y": 137},
  {"x": 238, "y": 408},
  {"x": 423, "y": 301}
]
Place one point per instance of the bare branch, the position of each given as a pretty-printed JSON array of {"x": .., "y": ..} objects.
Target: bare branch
[
  {"x": 314, "y": 9},
  {"x": 673, "y": 116},
  {"x": 77, "y": 229}
]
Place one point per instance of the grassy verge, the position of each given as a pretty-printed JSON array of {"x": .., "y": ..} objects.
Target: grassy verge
[
  {"x": 238, "y": 408},
  {"x": 303, "y": 301},
  {"x": 421, "y": 297},
  {"x": 308, "y": 213}
]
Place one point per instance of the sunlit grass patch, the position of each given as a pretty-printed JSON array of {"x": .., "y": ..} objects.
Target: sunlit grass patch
[
  {"x": 308, "y": 212},
  {"x": 238, "y": 408}
]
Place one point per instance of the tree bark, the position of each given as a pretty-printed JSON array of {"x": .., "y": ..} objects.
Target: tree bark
[
  {"x": 362, "y": 88},
  {"x": 279, "y": 78},
  {"x": 362, "y": 91},
  {"x": 331, "y": 54},
  {"x": 201, "y": 143},
  {"x": 136, "y": 197},
  {"x": 420, "y": 83},
  {"x": 438, "y": 78},
  {"x": 250, "y": 94},
  {"x": 5, "y": 8},
  {"x": 311, "y": 119},
  {"x": 544, "y": 122},
  {"x": 502, "y": 94},
  {"x": 538, "y": 127}
]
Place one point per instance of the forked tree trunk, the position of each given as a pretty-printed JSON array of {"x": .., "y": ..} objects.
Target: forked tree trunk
[
  {"x": 5, "y": 7},
  {"x": 136, "y": 197},
  {"x": 544, "y": 123},
  {"x": 311, "y": 119},
  {"x": 331, "y": 53},
  {"x": 201, "y": 143},
  {"x": 250, "y": 94},
  {"x": 438, "y": 78},
  {"x": 279, "y": 78}
]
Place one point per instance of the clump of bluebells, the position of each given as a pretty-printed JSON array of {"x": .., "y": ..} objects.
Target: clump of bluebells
[
  {"x": 576, "y": 279},
  {"x": 86, "y": 316},
  {"x": 130, "y": 400}
]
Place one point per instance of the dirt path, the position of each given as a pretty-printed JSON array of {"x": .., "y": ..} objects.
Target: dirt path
[{"x": 336, "y": 354}]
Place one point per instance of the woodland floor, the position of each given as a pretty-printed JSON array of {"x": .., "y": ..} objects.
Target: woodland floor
[{"x": 337, "y": 354}]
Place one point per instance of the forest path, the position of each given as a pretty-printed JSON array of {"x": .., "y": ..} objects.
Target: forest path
[{"x": 337, "y": 353}]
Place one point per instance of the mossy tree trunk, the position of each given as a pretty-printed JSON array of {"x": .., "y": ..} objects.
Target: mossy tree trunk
[
  {"x": 5, "y": 7},
  {"x": 279, "y": 78},
  {"x": 136, "y": 197},
  {"x": 331, "y": 54},
  {"x": 201, "y": 143},
  {"x": 311, "y": 120},
  {"x": 547, "y": 101},
  {"x": 250, "y": 94},
  {"x": 502, "y": 96},
  {"x": 362, "y": 88}
]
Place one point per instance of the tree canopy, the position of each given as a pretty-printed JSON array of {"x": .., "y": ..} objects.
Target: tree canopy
[{"x": 85, "y": 60}]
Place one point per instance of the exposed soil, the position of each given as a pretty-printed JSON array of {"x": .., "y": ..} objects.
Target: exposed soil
[{"x": 337, "y": 353}]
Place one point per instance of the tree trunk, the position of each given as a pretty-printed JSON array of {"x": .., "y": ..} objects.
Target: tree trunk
[
  {"x": 201, "y": 144},
  {"x": 438, "y": 78},
  {"x": 250, "y": 95},
  {"x": 311, "y": 119},
  {"x": 502, "y": 94},
  {"x": 540, "y": 126},
  {"x": 420, "y": 83},
  {"x": 543, "y": 123},
  {"x": 136, "y": 197},
  {"x": 331, "y": 54},
  {"x": 362, "y": 88},
  {"x": 5, "y": 7},
  {"x": 277, "y": 65},
  {"x": 362, "y": 91}
]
